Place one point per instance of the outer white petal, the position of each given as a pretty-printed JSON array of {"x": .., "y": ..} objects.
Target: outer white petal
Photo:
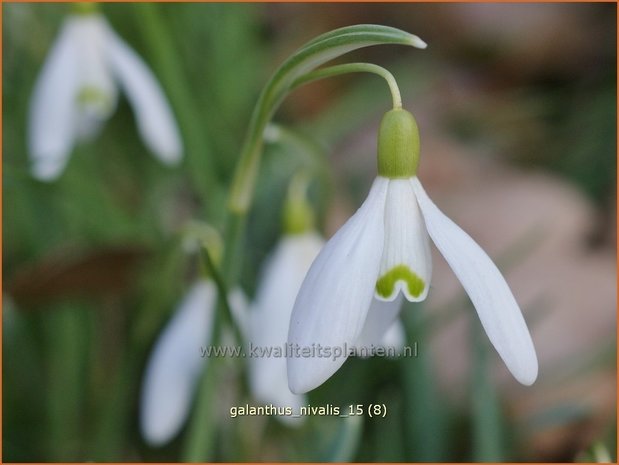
[
  {"x": 175, "y": 365},
  {"x": 51, "y": 125},
  {"x": 270, "y": 318},
  {"x": 407, "y": 247},
  {"x": 154, "y": 116},
  {"x": 381, "y": 317},
  {"x": 498, "y": 311},
  {"x": 337, "y": 292}
]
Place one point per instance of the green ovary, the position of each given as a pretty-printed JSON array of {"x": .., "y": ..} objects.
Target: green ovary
[{"x": 385, "y": 286}]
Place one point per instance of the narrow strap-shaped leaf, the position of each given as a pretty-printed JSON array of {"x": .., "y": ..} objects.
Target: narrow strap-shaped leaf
[
  {"x": 366, "y": 28},
  {"x": 320, "y": 50},
  {"x": 312, "y": 55}
]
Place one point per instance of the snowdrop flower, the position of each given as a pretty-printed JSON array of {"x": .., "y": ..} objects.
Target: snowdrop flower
[
  {"x": 174, "y": 368},
  {"x": 270, "y": 318},
  {"x": 77, "y": 91},
  {"x": 176, "y": 363},
  {"x": 279, "y": 285},
  {"x": 382, "y": 253}
]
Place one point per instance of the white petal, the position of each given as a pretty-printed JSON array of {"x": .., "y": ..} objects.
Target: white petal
[
  {"x": 406, "y": 264},
  {"x": 51, "y": 131},
  {"x": 497, "y": 308},
  {"x": 381, "y": 316},
  {"x": 153, "y": 113},
  {"x": 337, "y": 292},
  {"x": 270, "y": 318},
  {"x": 175, "y": 365}
]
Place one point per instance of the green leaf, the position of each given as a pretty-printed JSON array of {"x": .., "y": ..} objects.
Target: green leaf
[
  {"x": 425, "y": 425},
  {"x": 368, "y": 29},
  {"x": 319, "y": 51}
]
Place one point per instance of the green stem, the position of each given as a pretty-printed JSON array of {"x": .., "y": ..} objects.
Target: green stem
[
  {"x": 200, "y": 443},
  {"x": 487, "y": 418},
  {"x": 347, "y": 68},
  {"x": 66, "y": 348},
  {"x": 222, "y": 290},
  {"x": 200, "y": 440},
  {"x": 111, "y": 428}
]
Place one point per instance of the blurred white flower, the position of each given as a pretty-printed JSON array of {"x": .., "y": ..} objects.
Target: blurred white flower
[
  {"x": 177, "y": 361},
  {"x": 77, "y": 91},
  {"x": 269, "y": 317},
  {"x": 383, "y": 252},
  {"x": 175, "y": 365}
]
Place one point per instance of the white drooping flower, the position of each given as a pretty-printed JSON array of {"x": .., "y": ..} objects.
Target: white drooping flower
[
  {"x": 177, "y": 361},
  {"x": 77, "y": 91},
  {"x": 383, "y": 252},
  {"x": 175, "y": 365},
  {"x": 269, "y": 317}
]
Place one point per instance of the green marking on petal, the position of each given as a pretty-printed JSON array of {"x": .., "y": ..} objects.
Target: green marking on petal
[
  {"x": 90, "y": 96},
  {"x": 385, "y": 286}
]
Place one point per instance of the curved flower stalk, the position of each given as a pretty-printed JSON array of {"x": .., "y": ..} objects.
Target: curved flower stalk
[
  {"x": 383, "y": 253},
  {"x": 77, "y": 91}
]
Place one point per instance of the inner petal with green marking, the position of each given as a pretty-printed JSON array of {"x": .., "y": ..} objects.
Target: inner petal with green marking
[
  {"x": 90, "y": 94},
  {"x": 96, "y": 99},
  {"x": 406, "y": 264},
  {"x": 387, "y": 285}
]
